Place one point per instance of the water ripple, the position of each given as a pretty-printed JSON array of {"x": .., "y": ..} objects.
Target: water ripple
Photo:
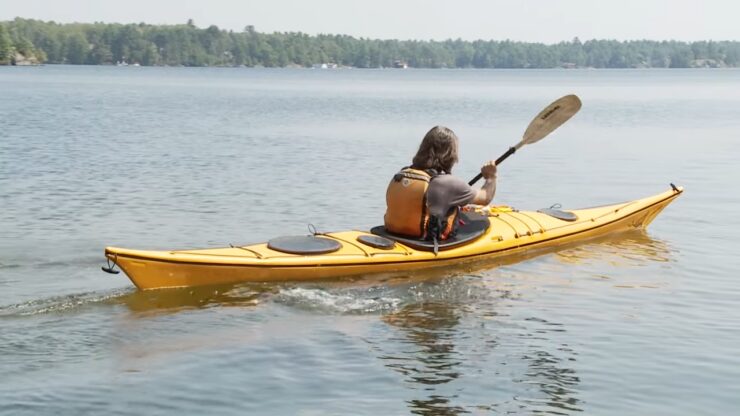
[{"x": 166, "y": 158}]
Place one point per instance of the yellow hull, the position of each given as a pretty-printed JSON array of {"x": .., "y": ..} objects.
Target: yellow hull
[{"x": 511, "y": 232}]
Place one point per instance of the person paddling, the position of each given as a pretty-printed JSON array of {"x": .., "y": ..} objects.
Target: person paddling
[{"x": 424, "y": 199}]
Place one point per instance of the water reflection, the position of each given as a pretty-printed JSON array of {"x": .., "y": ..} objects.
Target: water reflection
[
  {"x": 435, "y": 405},
  {"x": 168, "y": 301},
  {"x": 625, "y": 249},
  {"x": 429, "y": 329},
  {"x": 517, "y": 364},
  {"x": 550, "y": 373}
]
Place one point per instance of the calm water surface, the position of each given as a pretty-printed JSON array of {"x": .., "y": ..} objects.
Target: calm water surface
[{"x": 643, "y": 323}]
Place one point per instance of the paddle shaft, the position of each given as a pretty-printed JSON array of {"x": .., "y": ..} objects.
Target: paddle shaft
[{"x": 498, "y": 162}]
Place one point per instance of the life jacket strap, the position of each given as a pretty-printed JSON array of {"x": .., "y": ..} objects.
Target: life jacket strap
[{"x": 442, "y": 228}]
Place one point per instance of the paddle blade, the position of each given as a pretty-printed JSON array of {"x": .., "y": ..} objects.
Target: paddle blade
[{"x": 552, "y": 117}]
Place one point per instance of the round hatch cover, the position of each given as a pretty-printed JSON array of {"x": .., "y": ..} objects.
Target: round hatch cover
[
  {"x": 304, "y": 244},
  {"x": 376, "y": 241}
]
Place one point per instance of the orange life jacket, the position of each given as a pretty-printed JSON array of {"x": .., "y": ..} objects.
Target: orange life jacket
[{"x": 407, "y": 213}]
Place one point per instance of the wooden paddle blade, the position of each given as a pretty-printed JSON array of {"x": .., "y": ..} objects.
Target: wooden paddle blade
[{"x": 552, "y": 117}]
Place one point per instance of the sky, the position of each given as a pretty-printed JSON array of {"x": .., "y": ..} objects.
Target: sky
[{"x": 547, "y": 21}]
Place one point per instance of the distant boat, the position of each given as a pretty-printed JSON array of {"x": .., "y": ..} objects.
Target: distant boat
[
  {"x": 328, "y": 65},
  {"x": 124, "y": 63},
  {"x": 400, "y": 64}
]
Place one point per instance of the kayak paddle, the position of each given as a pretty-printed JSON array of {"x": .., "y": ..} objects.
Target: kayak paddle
[{"x": 552, "y": 117}]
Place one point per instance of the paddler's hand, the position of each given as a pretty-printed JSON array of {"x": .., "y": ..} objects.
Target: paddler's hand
[
  {"x": 486, "y": 192},
  {"x": 489, "y": 170}
]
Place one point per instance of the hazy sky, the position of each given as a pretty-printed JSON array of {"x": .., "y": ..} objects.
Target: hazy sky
[{"x": 526, "y": 20}]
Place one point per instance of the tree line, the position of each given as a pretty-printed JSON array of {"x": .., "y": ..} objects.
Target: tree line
[{"x": 188, "y": 45}]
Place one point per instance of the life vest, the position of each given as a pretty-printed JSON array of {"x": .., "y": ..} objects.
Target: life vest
[{"x": 407, "y": 213}]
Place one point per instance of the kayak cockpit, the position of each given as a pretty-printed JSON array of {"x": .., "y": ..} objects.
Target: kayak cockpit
[{"x": 472, "y": 226}]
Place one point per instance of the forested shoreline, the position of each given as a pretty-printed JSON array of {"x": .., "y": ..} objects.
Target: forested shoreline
[{"x": 28, "y": 41}]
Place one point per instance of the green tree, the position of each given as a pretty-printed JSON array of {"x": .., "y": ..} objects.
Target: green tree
[
  {"x": 464, "y": 53},
  {"x": 732, "y": 56},
  {"x": 6, "y": 46},
  {"x": 681, "y": 58},
  {"x": 24, "y": 47},
  {"x": 186, "y": 44},
  {"x": 51, "y": 45},
  {"x": 659, "y": 58},
  {"x": 100, "y": 55},
  {"x": 76, "y": 48},
  {"x": 150, "y": 55}
]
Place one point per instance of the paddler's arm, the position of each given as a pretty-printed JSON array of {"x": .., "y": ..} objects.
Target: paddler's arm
[{"x": 484, "y": 196}]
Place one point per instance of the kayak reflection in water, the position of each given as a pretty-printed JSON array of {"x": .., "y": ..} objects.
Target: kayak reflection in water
[{"x": 424, "y": 199}]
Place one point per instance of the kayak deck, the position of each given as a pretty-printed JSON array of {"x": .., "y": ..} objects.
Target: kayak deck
[{"x": 510, "y": 232}]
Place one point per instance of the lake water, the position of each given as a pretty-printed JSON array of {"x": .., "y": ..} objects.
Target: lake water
[{"x": 643, "y": 323}]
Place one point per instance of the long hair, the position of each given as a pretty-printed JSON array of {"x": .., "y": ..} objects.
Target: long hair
[{"x": 437, "y": 151}]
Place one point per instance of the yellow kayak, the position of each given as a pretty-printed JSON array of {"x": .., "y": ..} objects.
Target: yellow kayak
[{"x": 490, "y": 232}]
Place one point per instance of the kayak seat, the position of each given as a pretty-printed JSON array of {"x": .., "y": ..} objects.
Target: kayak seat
[
  {"x": 473, "y": 226},
  {"x": 304, "y": 244}
]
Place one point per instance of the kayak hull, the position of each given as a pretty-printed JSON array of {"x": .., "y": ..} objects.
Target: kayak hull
[{"x": 510, "y": 233}]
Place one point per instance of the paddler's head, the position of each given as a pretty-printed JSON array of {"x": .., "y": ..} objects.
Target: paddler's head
[{"x": 437, "y": 151}]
